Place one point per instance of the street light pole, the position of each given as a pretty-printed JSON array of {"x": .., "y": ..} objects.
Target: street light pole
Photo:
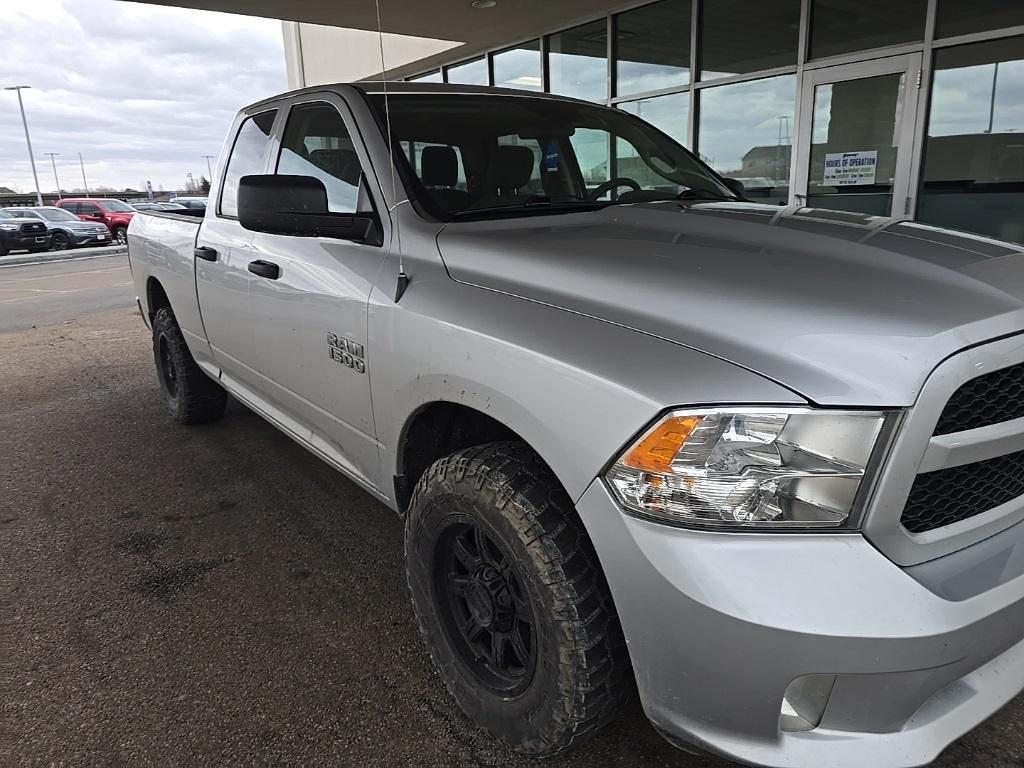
[
  {"x": 209, "y": 172},
  {"x": 24, "y": 122},
  {"x": 53, "y": 162},
  {"x": 85, "y": 183}
]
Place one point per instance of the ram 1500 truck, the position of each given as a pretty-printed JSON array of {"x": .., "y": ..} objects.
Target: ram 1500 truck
[{"x": 764, "y": 463}]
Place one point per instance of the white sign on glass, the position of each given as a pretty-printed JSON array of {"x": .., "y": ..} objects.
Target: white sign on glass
[{"x": 844, "y": 169}]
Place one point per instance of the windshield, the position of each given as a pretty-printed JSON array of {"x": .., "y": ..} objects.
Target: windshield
[
  {"x": 5, "y": 215},
  {"x": 117, "y": 206},
  {"x": 473, "y": 156},
  {"x": 56, "y": 214}
]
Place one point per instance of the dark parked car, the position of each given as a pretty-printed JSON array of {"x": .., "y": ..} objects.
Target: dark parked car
[
  {"x": 192, "y": 203},
  {"x": 66, "y": 229},
  {"x": 22, "y": 233},
  {"x": 114, "y": 213}
]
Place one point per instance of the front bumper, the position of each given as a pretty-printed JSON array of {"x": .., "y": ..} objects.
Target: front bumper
[
  {"x": 17, "y": 241},
  {"x": 91, "y": 238},
  {"x": 719, "y": 624}
]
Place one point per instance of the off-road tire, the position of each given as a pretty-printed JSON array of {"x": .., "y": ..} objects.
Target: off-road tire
[
  {"x": 120, "y": 236},
  {"x": 191, "y": 396},
  {"x": 581, "y": 674}
]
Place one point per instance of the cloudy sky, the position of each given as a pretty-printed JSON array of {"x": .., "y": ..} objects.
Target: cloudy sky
[{"x": 143, "y": 92}]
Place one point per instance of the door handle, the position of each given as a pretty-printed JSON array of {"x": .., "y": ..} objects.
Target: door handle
[
  {"x": 205, "y": 253},
  {"x": 265, "y": 269}
]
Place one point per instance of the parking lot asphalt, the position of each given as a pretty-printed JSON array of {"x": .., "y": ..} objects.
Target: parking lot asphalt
[{"x": 217, "y": 596}]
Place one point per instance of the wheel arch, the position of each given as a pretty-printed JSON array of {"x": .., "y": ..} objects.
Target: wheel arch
[
  {"x": 156, "y": 297},
  {"x": 438, "y": 428}
]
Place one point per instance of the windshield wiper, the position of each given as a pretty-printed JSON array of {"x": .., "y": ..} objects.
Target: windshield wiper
[
  {"x": 540, "y": 202},
  {"x": 700, "y": 194}
]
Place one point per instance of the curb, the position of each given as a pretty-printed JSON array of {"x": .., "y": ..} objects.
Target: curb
[{"x": 68, "y": 255}]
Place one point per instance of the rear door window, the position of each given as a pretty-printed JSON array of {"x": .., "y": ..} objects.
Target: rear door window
[
  {"x": 89, "y": 209},
  {"x": 248, "y": 156}
]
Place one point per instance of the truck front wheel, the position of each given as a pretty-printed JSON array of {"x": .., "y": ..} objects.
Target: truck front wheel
[
  {"x": 511, "y": 601},
  {"x": 191, "y": 396}
]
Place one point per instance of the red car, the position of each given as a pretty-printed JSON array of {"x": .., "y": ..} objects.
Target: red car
[{"x": 113, "y": 213}]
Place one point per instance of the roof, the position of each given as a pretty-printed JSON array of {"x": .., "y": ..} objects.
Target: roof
[{"x": 419, "y": 87}]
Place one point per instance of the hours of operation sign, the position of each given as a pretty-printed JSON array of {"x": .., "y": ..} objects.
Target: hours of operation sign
[{"x": 843, "y": 169}]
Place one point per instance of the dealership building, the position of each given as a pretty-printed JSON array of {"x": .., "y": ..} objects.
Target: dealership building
[{"x": 909, "y": 108}]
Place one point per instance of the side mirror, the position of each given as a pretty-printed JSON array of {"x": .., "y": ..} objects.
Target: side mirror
[
  {"x": 736, "y": 187},
  {"x": 297, "y": 206}
]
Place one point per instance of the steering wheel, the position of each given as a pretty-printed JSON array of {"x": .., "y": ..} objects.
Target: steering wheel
[{"x": 608, "y": 186}]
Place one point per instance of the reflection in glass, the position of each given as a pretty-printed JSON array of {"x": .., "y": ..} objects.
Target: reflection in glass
[
  {"x": 519, "y": 67},
  {"x": 248, "y": 156},
  {"x": 957, "y": 17},
  {"x": 854, "y": 144},
  {"x": 766, "y": 39},
  {"x": 316, "y": 143},
  {"x": 843, "y": 26},
  {"x": 745, "y": 134},
  {"x": 668, "y": 113},
  {"x": 974, "y": 155},
  {"x": 653, "y": 47},
  {"x": 471, "y": 73},
  {"x": 429, "y": 77},
  {"x": 577, "y": 62}
]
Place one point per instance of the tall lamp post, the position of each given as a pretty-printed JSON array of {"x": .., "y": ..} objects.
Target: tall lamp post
[
  {"x": 24, "y": 122},
  {"x": 209, "y": 171},
  {"x": 85, "y": 183},
  {"x": 53, "y": 163}
]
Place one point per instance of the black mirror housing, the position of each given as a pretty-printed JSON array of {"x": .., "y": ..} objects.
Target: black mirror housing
[
  {"x": 279, "y": 204},
  {"x": 736, "y": 187}
]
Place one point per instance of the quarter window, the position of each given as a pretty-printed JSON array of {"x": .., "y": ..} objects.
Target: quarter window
[
  {"x": 317, "y": 143},
  {"x": 248, "y": 156}
]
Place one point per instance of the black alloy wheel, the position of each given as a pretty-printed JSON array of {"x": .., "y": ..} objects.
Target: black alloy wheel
[{"x": 484, "y": 606}]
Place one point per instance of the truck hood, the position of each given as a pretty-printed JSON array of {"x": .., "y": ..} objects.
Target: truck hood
[{"x": 842, "y": 308}]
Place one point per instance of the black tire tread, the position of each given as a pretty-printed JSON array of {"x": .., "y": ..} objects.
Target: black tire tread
[
  {"x": 200, "y": 399},
  {"x": 522, "y": 484}
]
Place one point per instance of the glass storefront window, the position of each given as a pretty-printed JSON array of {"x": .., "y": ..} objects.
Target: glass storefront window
[
  {"x": 955, "y": 17},
  {"x": 974, "y": 156},
  {"x": 745, "y": 133},
  {"x": 767, "y": 38},
  {"x": 668, "y": 113},
  {"x": 429, "y": 77},
  {"x": 578, "y": 62},
  {"x": 471, "y": 73},
  {"x": 519, "y": 67},
  {"x": 844, "y": 26},
  {"x": 653, "y": 47}
]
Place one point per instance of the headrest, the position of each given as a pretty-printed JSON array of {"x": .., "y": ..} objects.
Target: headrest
[
  {"x": 512, "y": 166},
  {"x": 439, "y": 167},
  {"x": 341, "y": 163}
]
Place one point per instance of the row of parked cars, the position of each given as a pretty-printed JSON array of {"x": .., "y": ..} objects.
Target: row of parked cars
[{"x": 77, "y": 222}]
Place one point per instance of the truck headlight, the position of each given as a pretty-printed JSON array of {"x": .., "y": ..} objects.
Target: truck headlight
[
  {"x": 749, "y": 467},
  {"x": 9, "y": 227}
]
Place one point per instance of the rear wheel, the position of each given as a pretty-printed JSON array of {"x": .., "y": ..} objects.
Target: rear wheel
[
  {"x": 511, "y": 601},
  {"x": 60, "y": 241},
  {"x": 191, "y": 396}
]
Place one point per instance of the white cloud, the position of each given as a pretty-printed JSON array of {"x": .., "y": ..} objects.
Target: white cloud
[{"x": 142, "y": 91}]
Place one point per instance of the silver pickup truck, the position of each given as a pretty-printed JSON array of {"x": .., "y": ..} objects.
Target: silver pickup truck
[{"x": 764, "y": 465}]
